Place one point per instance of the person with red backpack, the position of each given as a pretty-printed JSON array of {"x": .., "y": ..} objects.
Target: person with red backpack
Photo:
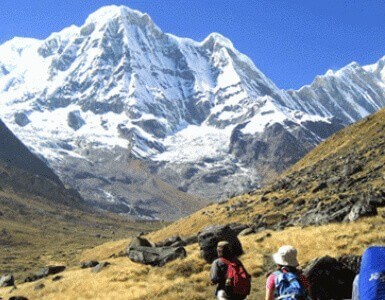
[
  {"x": 287, "y": 282},
  {"x": 227, "y": 271}
]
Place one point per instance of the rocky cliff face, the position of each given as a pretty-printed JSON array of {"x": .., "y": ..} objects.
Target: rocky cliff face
[{"x": 121, "y": 109}]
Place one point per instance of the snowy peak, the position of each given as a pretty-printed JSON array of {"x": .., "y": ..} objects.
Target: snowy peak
[
  {"x": 201, "y": 115},
  {"x": 216, "y": 39}
]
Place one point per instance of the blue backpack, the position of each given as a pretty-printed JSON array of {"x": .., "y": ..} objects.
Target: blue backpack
[
  {"x": 371, "y": 281},
  {"x": 288, "y": 286}
]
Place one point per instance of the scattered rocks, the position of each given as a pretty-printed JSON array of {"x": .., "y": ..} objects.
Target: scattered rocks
[
  {"x": 174, "y": 241},
  {"x": 44, "y": 272},
  {"x": 100, "y": 266},
  {"x": 89, "y": 264},
  {"x": 7, "y": 280},
  {"x": 155, "y": 256},
  {"x": 57, "y": 278},
  {"x": 359, "y": 210},
  {"x": 275, "y": 221},
  {"x": 39, "y": 287},
  {"x": 280, "y": 202},
  {"x": 209, "y": 238},
  {"x": 319, "y": 187},
  {"x": 350, "y": 169}
]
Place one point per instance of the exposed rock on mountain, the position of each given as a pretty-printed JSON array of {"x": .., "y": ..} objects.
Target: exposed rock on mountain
[
  {"x": 197, "y": 118},
  {"x": 15, "y": 154},
  {"x": 25, "y": 173},
  {"x": 341, "y": 180}
]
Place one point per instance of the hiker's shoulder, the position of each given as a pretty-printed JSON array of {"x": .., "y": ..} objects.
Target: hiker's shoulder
[{"x": 219, "y": 262}]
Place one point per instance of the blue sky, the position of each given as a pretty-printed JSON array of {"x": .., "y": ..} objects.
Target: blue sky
[{"x": 290, "y": 41}]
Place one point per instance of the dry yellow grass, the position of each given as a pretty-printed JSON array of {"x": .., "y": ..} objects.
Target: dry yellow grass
[{"x": 188, "y": 278}]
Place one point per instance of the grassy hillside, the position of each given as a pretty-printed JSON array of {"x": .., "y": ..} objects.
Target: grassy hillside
[
  {"x": 35, "y": 232},
  {"x": 124, "y": 279},
  {"x": 349, "y": 165}
]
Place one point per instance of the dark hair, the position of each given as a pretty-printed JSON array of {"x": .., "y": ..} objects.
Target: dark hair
[{"x": 225, "y": 252}]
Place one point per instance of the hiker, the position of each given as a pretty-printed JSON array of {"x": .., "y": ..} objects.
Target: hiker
[
  {"x": 233, "y": 281},
  {"x": 371, "y": 279},
  {"x": 287, "y": 282}
]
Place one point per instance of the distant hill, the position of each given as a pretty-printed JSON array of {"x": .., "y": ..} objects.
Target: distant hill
[{"x": 41, "y": 220}]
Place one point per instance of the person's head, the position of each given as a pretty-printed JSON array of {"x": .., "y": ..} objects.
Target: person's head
[
  {"x": 286, "y": 256},
  {"x": 224, "y": 250}
]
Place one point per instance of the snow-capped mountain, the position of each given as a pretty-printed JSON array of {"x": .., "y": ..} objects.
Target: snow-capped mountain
[{"x": 145, "y": 122}]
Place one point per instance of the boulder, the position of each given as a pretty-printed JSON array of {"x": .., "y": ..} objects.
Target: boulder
[
  {"x": 352, "y": 262},
  {"x": 18, "y": 298},
  {"x": 378, "y": 200},
  {"x": 7, "y": 280},
  {"x": 50, "y": 270},
  {"x": 359, "y": 210},
  {"x": 39, "y": 287},
  {"x": 21, "y": 119},
  {"x": 190, "y": 240},
  {"x": 140, "y": 242},
  {"x": 100, "y": 266},
  {"x": 246, "y": 231},
  {"x": 209, "y": 238},
  {"x": 155, "y": 256},
  {"x": 57, "y": 278},
  {"x": 329, "y": 279},
  {"x": 74, "y": 120},
  {"x": 350, "y": 169},
  {"x": 174, "y": 241},
  {"x": 89, "y": 264},
  {"x": 237, "y": 228}
]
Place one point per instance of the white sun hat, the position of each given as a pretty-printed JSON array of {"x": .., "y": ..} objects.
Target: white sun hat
[{"x": 286, "y": 256}]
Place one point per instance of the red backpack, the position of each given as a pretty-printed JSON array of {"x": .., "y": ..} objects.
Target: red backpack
[{"x": 237, "y": 278}]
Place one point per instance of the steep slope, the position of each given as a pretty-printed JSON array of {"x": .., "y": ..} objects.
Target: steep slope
[
  {"x": 41, "y": 220},
  {"x": 198, "y": 117},
  {"x": 334, "y": 179},
  {"x": 24, "y": 173},
  {"x": 15, "y": 153}
]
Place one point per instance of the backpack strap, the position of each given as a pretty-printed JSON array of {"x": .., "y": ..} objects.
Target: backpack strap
[{"x": 292, "y": 296}]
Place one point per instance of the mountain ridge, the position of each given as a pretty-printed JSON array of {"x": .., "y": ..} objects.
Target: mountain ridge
[{"x": 187, "y": 110}]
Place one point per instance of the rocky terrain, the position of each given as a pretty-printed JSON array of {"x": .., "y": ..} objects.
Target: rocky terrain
[
  {"x": 341, "y": 180},
  {"x": 156, "y": 126}
]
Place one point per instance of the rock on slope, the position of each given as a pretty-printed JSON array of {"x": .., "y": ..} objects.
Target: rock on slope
[{"x": 197, "y": 118}]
